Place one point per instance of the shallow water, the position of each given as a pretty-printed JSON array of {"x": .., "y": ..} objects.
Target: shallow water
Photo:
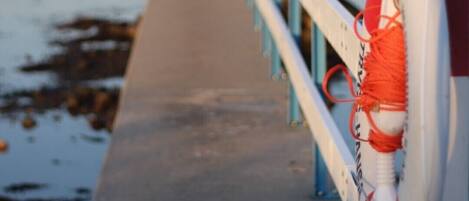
[
  {"x": 61, "y": 157},
  {"x": 62, "y": 152},
  {"x": 26, "y": 27}
]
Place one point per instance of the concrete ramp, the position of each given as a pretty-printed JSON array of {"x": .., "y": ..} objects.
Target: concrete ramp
[{"x": 199, "y": 119}]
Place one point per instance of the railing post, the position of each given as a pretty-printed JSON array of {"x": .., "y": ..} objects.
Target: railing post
[
  {"x": 250, "y": 4},
  {"x": 294, "y": 21},
  {"x": 318, "y": 54},
  {"x": 324, "y": 186},
  {"x": 276, "y": 69},
  {"x": 257, "y": 17},
  {"x": 266, "y": 40}
]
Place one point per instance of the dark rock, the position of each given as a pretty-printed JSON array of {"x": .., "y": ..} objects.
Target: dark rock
[
  {"x": 102, "y": 101},
  {"x": 72, "y": 104},
  {"x": 23, "y": 187},
  {"x": 28, "y": 122},
  {"x": 96, "y": 122}
]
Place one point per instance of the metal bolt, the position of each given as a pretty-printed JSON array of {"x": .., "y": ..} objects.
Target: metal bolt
[{"x": 320, "y": 193}]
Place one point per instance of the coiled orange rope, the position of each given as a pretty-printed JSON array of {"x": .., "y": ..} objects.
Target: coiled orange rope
[{"x": 384, "y": 86}]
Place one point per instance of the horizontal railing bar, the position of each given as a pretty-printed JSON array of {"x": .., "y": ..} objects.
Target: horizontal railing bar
[
  {"x": 338, "y": 157},
  {"x": 336, "y": 23}
]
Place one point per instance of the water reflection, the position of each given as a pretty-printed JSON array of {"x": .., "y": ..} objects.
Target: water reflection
[
  {"x": 54, "y": 128},
  {"x": 26, "y": 28},
  {"x": 53, "y": 159}
]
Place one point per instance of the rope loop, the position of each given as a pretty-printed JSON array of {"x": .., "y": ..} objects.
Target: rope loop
[{"x": 384, "y": 85}]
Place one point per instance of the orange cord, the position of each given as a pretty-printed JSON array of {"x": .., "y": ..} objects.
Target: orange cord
[{"x": 384, "y": 86}]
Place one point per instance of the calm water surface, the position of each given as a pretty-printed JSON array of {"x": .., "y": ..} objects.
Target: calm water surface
[{"x": 60, "y": 158}]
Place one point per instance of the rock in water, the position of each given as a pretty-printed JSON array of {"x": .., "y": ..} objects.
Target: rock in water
[
  {"x": 28, "y": 122},
  {"x": 3, "y": 146}
]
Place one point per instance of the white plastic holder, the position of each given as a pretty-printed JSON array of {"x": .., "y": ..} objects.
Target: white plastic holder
[{"x": 390, "y": 123}]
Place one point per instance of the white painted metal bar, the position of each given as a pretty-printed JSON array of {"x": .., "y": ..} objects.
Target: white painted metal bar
[
  {"x": 336, "y": 23},
  {"x": 338, "y": 158}
]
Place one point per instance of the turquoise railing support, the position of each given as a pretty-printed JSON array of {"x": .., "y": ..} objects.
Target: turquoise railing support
[
  {"x": 266, "y": 40},
  {"x": 318, "y": 55},
  {"x": 257, "y": 17},
  {"x": 276, "y": 69},
  {"x": 276, "y": 64},
  {"x": 324, "y": 186},
  {"x": 250, "y": 3},
  {"x": 294, "y": 21}
]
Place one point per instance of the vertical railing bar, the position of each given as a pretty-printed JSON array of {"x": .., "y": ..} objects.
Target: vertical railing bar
[
  {"x": 250, "y": 4},
  {"x": 266, "y": 40},
  {"x": 257, "y": 18},
  {"x": 294, "y": 22},
  {"x": 276, "y": 68},
  {"x": 324, "y": 186},
  {"x": 318, "y": 54}
]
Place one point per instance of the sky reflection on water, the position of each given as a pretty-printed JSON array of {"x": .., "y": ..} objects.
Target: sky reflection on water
[
  {"x": 27, "y": 26},
  {"x": 61, "y": 157},
  {"x": 62, "y": 152}
]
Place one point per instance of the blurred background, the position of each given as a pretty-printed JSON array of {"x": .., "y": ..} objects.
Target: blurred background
[{"x": 61, "y": 69}]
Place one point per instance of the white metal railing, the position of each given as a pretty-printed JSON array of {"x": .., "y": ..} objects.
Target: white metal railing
[
  {"x": 428, "y": 83},
  {"x": 328, "y": 137},
  {"x": 336, "y": 23}
]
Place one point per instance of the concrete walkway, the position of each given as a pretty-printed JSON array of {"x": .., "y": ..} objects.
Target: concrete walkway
[{"x": 200, "y": 119}]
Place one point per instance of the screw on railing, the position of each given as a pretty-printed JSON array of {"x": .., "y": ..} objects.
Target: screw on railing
[{"x": 294, "y": 22}]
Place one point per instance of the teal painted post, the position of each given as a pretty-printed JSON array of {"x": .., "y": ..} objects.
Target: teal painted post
[
  {"x": 250, "y": 3},
  {"x": 324, "y": 186},
  {"x": 257, "y": 17},
  {"x": 294, "y": 22},
  {"x": 266, "y": 40},
  {"x": 276, "y": 68},
  {"x": 318, "y": 55}
]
